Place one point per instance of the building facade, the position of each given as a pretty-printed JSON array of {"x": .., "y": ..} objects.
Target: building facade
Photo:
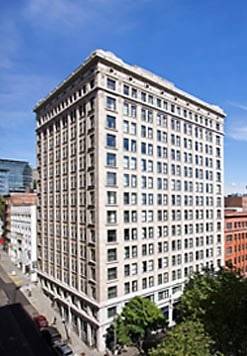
[
  {"x": 20, "y": 228},
  {"x": 130, "y": 191},
  {"x": 236, "y": 201},
  {"x": 15, "y": 176},
  {"x": 236, "y": 240}
]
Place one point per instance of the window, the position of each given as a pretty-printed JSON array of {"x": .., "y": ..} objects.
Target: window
[
  {"x": 112, "y": 273},
  {"x": 133, "y": 181},
  {"x": 111, "y": 235},
  {"x": 111, "y": 159},
  {"x": 126, "y": 270},
  {"x": 110, "y": 140},
  {"x": 163, "y": 294},
  {"x": 134, "y": 286},
  {"x": 134, "y": 251},
  {"x": 126, "y": 216},
  {"x": 133, "y": 163},
  {"x": 150, "y": 99},
  {"x": 111, "y": 198},
  {"x": 126, "y": 162},
  {"x": 126, "y": 198},
  {"x": 126, "y": 180},
  {"x": 134, "y": 269},
  {"x": 129, "y": 145},
  {"x": 112, "y": 292},
  {"x": 110, "y": 122},
  {"x": 143, "y": 148},
  {"x": 111, "y": 217},
  {"x": 111, "y": 84},
  {"x": 126, "y": 126},
  {"x": 133, "y": 128},
  {"x": 110, "y": 103},
  {"x": 126, "y": 144},
  {"x": 112, "y": 254},
  {"x": 126, "y": 288},
  {"x": 143, "y": 96},
  {"x": 144, "y": 283},
  {"x": 126, "y": 252},
  {"x": 111, "y": 179},
  {"x": 126, "y": 89},
  {"x": 133, "y": 146},
  {"x": 111, "y": 312}
]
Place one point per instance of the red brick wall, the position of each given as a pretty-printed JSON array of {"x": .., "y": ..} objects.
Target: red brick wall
[{"x": 236, "y": 240}]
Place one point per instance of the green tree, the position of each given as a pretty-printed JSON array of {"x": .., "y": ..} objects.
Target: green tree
[
  {"x": 185, "y": 339},
  {"x": 196, "y": 294},
  {"x": 138, "y": 319},
  {"x": 219, "y": 301}
]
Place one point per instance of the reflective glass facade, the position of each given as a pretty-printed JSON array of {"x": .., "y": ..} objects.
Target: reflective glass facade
[{"x": 15, "y": 176}]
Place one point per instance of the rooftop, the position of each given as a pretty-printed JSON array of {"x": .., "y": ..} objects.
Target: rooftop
[
  {"x": 12, "y": 161},
  {"x": 136, "y": 70},
  {"x": 231, "y": 212}
]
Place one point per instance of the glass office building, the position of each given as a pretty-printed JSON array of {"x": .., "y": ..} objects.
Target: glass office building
[{"x": 15, "y": 176}]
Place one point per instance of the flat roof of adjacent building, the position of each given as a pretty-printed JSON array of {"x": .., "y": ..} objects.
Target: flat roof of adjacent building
[
  {"x": 12, "y": 160},
  {"x": 231, "y": 213},
  {"x": 17, "y": 199}
]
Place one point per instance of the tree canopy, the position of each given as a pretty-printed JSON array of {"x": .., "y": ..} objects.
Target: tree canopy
[
  {"x": 185, "y": 339},
  {"x": 219, "y": 301},
  {"x": 138, "y": 319}
]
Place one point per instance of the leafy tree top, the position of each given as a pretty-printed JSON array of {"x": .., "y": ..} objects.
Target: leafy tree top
[
  {"x": 185, "y": 339},
  {"x": 219, "y": 301},
  {"x": 138, "y": 319}
]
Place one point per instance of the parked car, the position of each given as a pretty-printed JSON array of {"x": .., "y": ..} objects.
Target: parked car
[
  {"x": 41, "y": 321},
  {"x": 63, "y": 349},
  {"x": 51, "y": 335}
]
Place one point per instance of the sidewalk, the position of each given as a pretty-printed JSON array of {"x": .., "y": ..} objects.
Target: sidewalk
[{"x": 43, "y": 305}]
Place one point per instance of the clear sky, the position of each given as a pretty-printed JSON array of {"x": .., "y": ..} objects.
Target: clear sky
[{"x": 200, "y": 45}]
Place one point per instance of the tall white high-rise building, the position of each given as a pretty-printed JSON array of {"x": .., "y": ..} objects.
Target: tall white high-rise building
[{"x": 130, "y": 191}]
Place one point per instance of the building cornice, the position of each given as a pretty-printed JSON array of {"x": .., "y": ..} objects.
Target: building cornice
[{"x": 143, "y": 74}]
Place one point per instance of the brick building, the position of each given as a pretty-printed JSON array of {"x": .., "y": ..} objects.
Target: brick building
[
  {"x": 236, "y": 201},
  {"x": 236, "y": 239}
]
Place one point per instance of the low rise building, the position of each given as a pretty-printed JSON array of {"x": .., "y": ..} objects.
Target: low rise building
[
  {"x": 20, "y": 231},
  {"x": 236, "y": 239},
  {"x": 236, "y": 201}
]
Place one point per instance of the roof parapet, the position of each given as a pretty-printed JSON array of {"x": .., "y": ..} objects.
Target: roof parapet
[{"x": 111, "y": 57}]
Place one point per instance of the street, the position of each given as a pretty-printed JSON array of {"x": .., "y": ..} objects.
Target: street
[
  {"x": 15, "y": 287},
  {"x": 10, "y": 293}
]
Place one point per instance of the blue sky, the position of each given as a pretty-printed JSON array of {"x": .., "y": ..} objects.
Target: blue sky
[{"x": 199, "y": 45}]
